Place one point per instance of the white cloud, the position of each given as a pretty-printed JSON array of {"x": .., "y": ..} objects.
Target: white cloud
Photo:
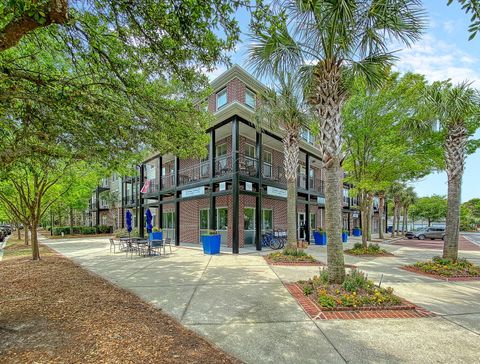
[
  {"x": 439, "y": 60},
  {"x": 449, "y": 26}
]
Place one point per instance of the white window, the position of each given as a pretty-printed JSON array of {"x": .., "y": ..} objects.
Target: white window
[
  {"x": 250, "y": 99},
  {"x": 221, "y": 98},
  {"x": 308, "y": 136},
  {"x": 221, "y": 154},
  {"x": 267, "y": 164},
  {"x": 249, "y": 155}
]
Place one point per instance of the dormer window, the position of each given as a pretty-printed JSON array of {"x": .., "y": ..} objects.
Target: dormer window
[
  {"x": 250, "y": 99},
  {"x": 221, "y": 98}
]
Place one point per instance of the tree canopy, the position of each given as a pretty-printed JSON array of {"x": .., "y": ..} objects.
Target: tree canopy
[{"x": 433, "y": 208}]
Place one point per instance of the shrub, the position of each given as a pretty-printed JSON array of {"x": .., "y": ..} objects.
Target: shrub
[
  {"x": 124, "y": 232},
  {"x": 88, "y": 230},
  {"x": 104, "y": 229},
  {"x": 355, "y": 281},
  {"x": 357, "y": 246}
]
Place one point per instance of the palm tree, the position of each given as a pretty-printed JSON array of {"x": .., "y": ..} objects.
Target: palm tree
[
  {"x": 458, "y": 112},
  {"x": 330, "y": 40},
  {"x": 283, "y": 108},
  {"x": 396, "y": 191},
  {"x": 408, "y": 198}
]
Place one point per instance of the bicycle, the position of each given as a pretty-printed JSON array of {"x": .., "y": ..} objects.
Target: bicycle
[{"x": 273, "y": 242}]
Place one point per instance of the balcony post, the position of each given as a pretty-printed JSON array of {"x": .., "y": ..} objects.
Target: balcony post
[
  {"x": 122, "y": 208},
  {"x": 212, "y": 219},
  {"x": 307, "y": 207},
  {"x": 141, "y": 224},
  {"x": 160, "y": 197},
  {"x": 235, "y": 187},
  {"x": 258, "y": 198}
]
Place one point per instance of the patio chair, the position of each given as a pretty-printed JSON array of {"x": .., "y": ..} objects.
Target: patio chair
[
  {"x": 114, "y": 244},
  {"x": 167, "y": 241},
  {"x": 156, "y": 246}
]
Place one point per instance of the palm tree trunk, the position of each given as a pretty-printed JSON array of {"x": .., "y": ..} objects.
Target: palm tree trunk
[
  {"x": 394, "y": 217},
  {"x": 455, "y": 162},
  {"x": 291, "y": 215},
  {"x": 291, "y": 150},
  {"x": 381, "y": 207},
  {"x": 398, "y": 221},
  {"x": 333, "y": 217}
]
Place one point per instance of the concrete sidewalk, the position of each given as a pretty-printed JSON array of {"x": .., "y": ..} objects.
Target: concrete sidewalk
[{"x": 239, "y": 303}]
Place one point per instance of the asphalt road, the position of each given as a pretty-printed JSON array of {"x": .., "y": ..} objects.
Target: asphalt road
[{"x": 473, "y": 237}]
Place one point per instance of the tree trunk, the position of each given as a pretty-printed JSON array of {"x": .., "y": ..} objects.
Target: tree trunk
[
  {"x": 398, "y": 221},
  {"x": 333, "y": 217},
  {"x": 35, "y": 248},
  {"x": 19, "y": 233},
  {"x": 291, "y": 215},
  {"x": 364, "y": 219},
  {"x": 25, "y": 232},
  {"x": 71, "y": 221},
  {"x": 290, "y": 163},
  {"x": 455, "y": 145},
  {"x": 404, "y": 221},
  {"x": 381, "y": 207},
  {"x": 394, "y": 218},
  {"x": 370, "y": 219}
]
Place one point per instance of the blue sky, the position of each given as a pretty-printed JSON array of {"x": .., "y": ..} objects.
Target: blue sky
[{"x": 444, "y": 52}]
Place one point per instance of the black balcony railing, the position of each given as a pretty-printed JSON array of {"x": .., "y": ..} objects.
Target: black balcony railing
[{"x": 194, "y": 173}]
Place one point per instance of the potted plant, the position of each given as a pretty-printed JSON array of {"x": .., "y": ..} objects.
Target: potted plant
[
  {"x": 156, "y": 234},
  {"x": 320, "y": 236},
  {"x": 357, "y": 231},
  {"x": 211, "y": 242},
  {"x": 345, "y": 236}
]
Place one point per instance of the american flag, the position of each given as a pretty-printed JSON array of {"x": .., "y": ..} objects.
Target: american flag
[{"x": 145, "y": 186}]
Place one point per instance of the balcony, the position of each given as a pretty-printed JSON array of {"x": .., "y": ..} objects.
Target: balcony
[{"x": 129, "y": 200}]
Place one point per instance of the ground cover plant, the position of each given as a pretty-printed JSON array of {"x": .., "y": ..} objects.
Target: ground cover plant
[
  {"x": 355, "y": 292},
  {"x": 291, "y": 256},
  {"x": 371, "y": 250},
  {"x": 447, "y": 268}
]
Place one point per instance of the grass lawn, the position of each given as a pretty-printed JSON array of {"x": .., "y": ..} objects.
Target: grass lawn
[{"x": 54, "y": 311}]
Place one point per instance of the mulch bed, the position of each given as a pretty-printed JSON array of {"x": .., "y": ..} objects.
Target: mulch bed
[
  {"x": 55, "y": 311},
  {"x": 407, "y": 310},
  {"x": 272, "y": 262},
  {"x": 458, "y": 278}
]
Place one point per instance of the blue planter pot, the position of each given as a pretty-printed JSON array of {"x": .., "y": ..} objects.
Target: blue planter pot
[
  {"x": 211, "y": 243},
  {"x": 320, "y": 238},
  {"x": 344, "y": 237},
  {"x": 357, "y": 232},
  {"x": 157, "y": 235}
]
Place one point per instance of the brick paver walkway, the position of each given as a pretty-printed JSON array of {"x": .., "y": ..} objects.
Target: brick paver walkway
[{"x": 464, "y": 244}]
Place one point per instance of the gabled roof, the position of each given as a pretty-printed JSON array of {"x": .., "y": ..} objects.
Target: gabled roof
[{"x": 237, "y": 72}]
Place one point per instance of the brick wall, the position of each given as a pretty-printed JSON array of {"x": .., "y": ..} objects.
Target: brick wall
[{"x": 235, "y": 92}]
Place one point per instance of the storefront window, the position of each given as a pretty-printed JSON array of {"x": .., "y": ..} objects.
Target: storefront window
[
  {"x": 204, "y": 219},
  {"x": 222, "y": 218},
  {"x": 267, "y": 219},
  {"x": 249, "y": 218}
]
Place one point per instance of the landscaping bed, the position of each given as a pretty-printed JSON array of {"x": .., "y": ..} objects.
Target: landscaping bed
[
  {"x": 445, "y": 269},
  {"x": 285, "y": 257},
  {"x": 356, "y": 298},
  {"x": 55, "y": 311},
  {"x": 373, "y": 250}
]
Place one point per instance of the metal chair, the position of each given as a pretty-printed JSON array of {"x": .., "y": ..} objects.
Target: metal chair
[
  {"x": 114, "y": 244},
  {"x": 156, "y": 246},
  {"x": 167, "y": 241}
]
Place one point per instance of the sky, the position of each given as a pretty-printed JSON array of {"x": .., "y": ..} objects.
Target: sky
[{"x": 443, "y": 52}]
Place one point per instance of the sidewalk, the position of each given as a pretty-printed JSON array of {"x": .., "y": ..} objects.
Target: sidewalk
[{"x": 239, "y": 303}]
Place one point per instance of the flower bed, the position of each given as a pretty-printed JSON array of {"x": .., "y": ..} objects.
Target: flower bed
[
  {"x": 295, "y": 257},
  {"x": 373, "y": 250},
  {"x": 441, "y": 268},
  {"x": 355, "y": 292}
]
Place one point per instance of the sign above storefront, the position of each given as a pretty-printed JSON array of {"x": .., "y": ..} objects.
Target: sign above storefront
[
  {"x": 321, "y": 200},
  {"x": 248, "y": 186},
  {"x": 355, "y": 215},
  {"x": 222, "y": 186},
  {"x": 197, "y": 191},
  {"x": 276, "y": 191}
]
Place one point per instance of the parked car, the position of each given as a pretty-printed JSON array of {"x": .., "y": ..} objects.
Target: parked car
[
  {"x": 431, "y": 232},
  {"x": 6, "y": 228}
]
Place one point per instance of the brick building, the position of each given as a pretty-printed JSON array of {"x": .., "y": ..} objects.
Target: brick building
[{"x": 240, "y": 188}]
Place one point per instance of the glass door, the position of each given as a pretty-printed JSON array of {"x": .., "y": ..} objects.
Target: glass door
[
  {"x": 249, "y": 225},
  {"x": 204, "y": 222},
  {"x": 222, "y": 223},
  {"x": 301, "y": 226}
]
